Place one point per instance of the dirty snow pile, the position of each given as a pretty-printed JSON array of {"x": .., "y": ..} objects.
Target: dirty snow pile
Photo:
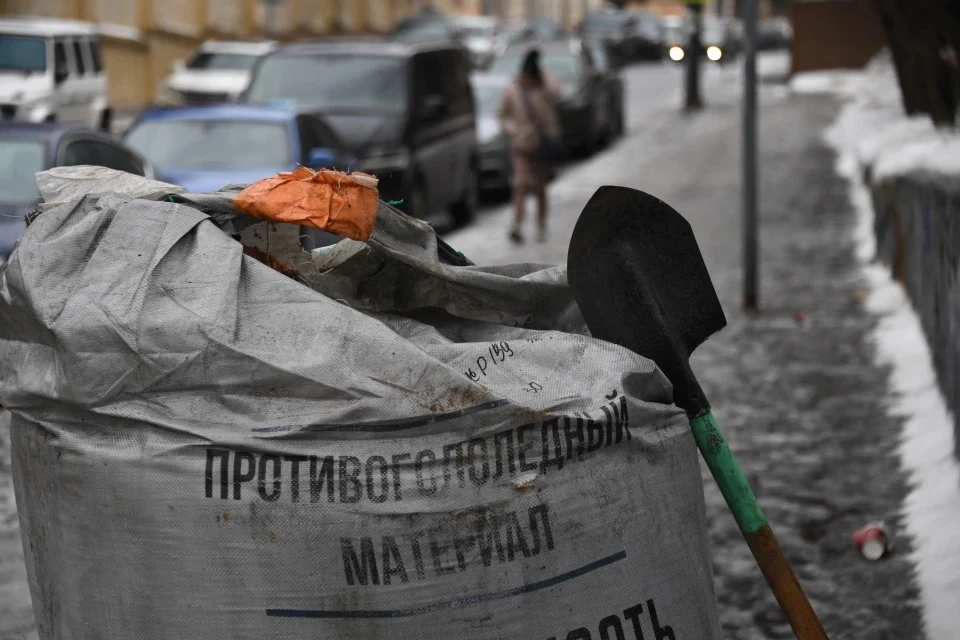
[{"x": 873, "y": 132}]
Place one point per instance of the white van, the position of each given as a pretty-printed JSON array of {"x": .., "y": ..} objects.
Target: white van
[
  {"x": 52, "y": 71},
  {"x": 219, "y": 71}
]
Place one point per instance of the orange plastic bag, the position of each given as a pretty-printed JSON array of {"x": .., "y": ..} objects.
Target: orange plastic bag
[{"x": 334, "y": 201}]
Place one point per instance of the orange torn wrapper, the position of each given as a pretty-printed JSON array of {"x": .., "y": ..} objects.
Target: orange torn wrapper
[{"x": 334, "y": 201}]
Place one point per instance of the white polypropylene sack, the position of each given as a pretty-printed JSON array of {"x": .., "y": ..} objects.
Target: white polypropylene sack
[{"x": 205, "y": 448}]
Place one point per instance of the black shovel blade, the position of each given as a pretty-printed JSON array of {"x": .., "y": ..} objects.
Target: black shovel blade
[{"x": 640, "y": 281}]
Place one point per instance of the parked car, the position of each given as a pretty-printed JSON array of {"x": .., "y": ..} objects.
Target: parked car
[
  {"x": 587, "y": 117},
  {"x": 494, "y": 160},
  {"x": 547, "y": 28},
  {"x": 721, "y": 39},
  {"x": 405, "y": 110},
  {"x": 26, "y": 148},
  {"x": 481, "y": 36},
  {"x": 515, "y": 31},
  {"x": 774, "y": 34},
  {"x": 648, "y": 37},
  {"x": 612, "y": 82},
  {"x": 613, "y": 27},
  {"x": 52, "y": 71},
  {"x": 217, "y": 72},
  {"x": 206, "y": 148},
  {"x": 676, "y": 34}
]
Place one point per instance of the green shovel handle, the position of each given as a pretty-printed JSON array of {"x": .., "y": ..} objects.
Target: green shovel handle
[
  {"x": 733, "y": 485},
  {"x": 756, "y": 531}
]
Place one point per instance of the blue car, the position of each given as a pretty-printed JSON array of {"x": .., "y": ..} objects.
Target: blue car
[
  {"x": 26, "y": 148},
  {"x": 206, "y": 148}
]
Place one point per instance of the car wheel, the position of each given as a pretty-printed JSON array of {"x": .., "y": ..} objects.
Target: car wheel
[{"x": 465, "y": 208}]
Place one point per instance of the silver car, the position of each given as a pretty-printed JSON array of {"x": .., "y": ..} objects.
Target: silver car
[{"x": 494, "y": 161}]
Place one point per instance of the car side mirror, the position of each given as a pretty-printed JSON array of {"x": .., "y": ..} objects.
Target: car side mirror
[
  {"x": 60, "y": 76},
  {"x": 321, "y": 157},
  {"x": 434, "y": 106}
]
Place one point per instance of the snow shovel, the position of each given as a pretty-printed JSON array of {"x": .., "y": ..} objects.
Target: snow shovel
[{"x": 640, "y": 281}]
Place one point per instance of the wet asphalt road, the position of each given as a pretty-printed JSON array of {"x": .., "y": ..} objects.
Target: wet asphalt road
[{"x": 802, "y": 404}]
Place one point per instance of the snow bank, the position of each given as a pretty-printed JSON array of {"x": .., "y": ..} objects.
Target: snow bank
[{"x": 872, "y": 130}]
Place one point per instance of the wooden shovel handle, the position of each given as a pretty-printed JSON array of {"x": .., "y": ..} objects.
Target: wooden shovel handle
[{"x": 755, "y": 529}]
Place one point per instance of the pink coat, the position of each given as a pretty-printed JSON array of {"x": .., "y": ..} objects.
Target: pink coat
[{"x": 522, "y": 119}]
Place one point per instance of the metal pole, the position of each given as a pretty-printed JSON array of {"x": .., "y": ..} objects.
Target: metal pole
[
  {"x": 694, "y": 53},
  {"x": 750, "y": 220}
]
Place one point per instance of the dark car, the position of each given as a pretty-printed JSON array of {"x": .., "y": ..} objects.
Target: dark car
[
  {"x": 774, "y": 34},
  {"x": 479, "y": 35},
  {"x": 587, "y": 117},
  {"x": 721, "y": 39},
  {"x": 612, "y": 82},
  {"x": 26, "y": 148},
  {"x": 613, "y": 27},
  {"x": 648, "y": 36},
  {"x": 404, "y": 110},
  {"x": 547, "y": 28}
]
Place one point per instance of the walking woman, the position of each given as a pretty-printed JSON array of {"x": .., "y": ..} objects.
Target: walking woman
[{"x": 528, "y": 115}]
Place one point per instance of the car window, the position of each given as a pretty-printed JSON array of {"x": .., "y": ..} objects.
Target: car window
[
  {"x": 224, "y": 61},
  {"x": 565, "y": 67},
  {"x": 333, "y": 83},
  {"x": 431, "y": 76},
  {"x": 19, "y": 160},
  {"x": 114, "y": 157},
  {"x": 79, "y": 60},
  {"x": 213, "y": 144},
  {"x": 456, "y": 83},
  {"x": 95, "y": 55},
  {"x": 18, "y": 53},
  {"x": 60, "y": 58},
  {"x": 101, "y": 154}
]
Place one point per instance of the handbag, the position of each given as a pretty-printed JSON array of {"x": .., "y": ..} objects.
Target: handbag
[{"x": 551, "y": 150}]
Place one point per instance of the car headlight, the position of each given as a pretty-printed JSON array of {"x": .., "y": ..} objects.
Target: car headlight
[
  {"x": 385, "y": 158},
  {"x": 676, "y": 53},
  {"x": 714, "y": 53}
]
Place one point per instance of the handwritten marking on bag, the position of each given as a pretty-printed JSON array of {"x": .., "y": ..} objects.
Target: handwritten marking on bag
[
  {"x": 455, "y": 603},
  {"x": 498, "y": 352},
  {"x": 502, "y": 538},
  {"x": 611, "y": 628},
  {"x": 534, "y": 447}
]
